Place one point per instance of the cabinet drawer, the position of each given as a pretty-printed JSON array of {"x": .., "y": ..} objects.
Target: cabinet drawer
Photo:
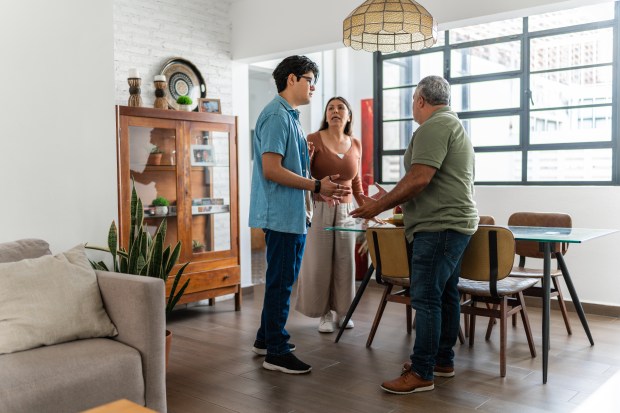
[{"x": 201, "y": 281}]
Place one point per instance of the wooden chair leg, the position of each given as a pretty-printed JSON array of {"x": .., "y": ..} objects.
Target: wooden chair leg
[
  {"x": 472, "y": 326},
  {"x": 375, "y": 324},
  {"x": 562, "y": 304},
  {"x": 514, "y": 320},
  {"x": 492, "y": 322},
  {"x": 526, "y": 324},
  {"x": 502, "y": 340},
  {"x": 465, "y": 317}
]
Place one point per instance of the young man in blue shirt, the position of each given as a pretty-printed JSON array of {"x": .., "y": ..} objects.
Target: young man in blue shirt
[{"x": 280, "y": 179}]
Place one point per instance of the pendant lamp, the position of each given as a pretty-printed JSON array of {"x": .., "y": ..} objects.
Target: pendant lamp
[{"x": 389, "y": 26}]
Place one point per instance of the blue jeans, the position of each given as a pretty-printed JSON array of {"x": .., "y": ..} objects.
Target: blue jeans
[
  {"x": 284, "y": 253},
  {"x": 435, "y": 268}
]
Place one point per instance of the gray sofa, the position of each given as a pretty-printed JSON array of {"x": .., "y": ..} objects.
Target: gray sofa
[{"x": 81, "y": 374}]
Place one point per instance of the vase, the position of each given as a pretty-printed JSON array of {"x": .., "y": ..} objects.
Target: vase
[{"x": 187, "y": 108}]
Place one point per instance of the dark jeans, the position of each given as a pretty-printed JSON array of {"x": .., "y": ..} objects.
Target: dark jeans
[
  {"x": 435, "y": 268},
  {"x": 284, "y": 253}
]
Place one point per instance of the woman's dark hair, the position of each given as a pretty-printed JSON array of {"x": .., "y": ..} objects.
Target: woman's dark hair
[
  {"x": 297, "y": 65},
  {"x": 348, "y": 128}
]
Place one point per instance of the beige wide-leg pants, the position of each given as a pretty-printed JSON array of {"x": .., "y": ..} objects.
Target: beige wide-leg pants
[{"x": 327, "y": 277}]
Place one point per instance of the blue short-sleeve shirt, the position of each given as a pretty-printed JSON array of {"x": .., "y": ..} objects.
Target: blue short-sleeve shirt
[{"x": 274, "y": 206}]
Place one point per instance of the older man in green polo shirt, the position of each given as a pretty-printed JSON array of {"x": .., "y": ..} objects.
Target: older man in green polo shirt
[{"x": 440, "y": 215}]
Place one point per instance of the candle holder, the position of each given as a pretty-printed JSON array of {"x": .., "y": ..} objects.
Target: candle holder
[
  {"x": 135, "y": 99},
  {"x": 160, "y": 95}
]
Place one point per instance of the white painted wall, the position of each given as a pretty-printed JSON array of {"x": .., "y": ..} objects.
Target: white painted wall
[{"x": 58, "y": 155}]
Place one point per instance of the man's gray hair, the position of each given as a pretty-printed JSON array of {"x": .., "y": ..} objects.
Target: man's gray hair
[{"x": 435, "y": 90}]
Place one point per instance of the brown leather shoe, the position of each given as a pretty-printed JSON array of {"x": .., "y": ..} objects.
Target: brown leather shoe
[
  {"x": 438, "y": 371},
  {"x": 408, "y": 382}
]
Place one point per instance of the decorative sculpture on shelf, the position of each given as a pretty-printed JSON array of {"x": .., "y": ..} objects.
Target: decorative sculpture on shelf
[
  {"x": 134, "y": 81},
  {"x": 160, "y": 92}
]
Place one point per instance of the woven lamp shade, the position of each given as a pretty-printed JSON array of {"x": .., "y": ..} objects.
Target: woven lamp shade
[{"x": 389, "y": 26}]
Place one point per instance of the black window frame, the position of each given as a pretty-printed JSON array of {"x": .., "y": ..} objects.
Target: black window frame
[{"x": 523, "y": 111}]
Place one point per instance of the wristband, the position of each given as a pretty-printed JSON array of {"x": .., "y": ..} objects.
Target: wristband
[{"x": 317, "y": 186}]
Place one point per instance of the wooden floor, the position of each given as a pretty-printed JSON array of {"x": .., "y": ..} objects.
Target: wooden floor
[{"x": 212, "y": 367}]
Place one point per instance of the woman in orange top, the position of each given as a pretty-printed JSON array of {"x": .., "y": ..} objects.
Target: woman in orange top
[{"x": 327, "y": 280}]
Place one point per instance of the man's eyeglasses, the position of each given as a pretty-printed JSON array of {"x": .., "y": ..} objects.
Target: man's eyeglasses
[{"x": 311, "y": 80}]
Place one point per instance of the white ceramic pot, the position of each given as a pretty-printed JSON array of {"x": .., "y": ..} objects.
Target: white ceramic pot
[
  {"x": 161, "y": 210},
  {"x": 187, "y": 108}
]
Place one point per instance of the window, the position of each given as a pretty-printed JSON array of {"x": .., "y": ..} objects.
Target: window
[{"x": 537, "y": 96}]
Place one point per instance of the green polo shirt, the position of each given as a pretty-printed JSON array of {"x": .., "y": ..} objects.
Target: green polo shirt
[{"x": 447, "y": 202}]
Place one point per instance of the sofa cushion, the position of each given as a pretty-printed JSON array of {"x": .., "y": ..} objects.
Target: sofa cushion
[
  {"x": 22, "y": 249},
  {"x": 49, "y": 300},
  {"x": 70, "y": 377}
]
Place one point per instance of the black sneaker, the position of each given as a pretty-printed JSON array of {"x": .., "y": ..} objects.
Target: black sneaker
[
  {"x": 260, "y": 348},
  {"x": 286, "y": 363}
]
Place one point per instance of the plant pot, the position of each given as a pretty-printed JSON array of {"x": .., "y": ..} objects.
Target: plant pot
[
  {"x": 168, "y": 345},
  {"x": 198, "y": 250},
  {"x": 161, "y": 210},
  {"x": 154, "y": 159},
  {"x": 187, "y": 108}
]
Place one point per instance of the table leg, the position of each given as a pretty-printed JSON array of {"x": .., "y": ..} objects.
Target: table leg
[
  {"x": 574, "y": 297},
  {"x": 356, "y": 300},
  {"x": 546, "y": 285}
]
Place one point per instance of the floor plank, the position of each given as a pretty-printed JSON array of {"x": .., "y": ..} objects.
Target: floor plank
[{"x": 212, "y": 367}]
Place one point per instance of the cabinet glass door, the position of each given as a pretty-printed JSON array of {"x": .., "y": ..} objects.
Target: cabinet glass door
[
  {"x": 152, "y": 165},
  {"x": 210, "y": 190}
]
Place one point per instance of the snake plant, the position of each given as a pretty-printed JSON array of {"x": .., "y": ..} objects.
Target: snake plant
[{"x": 145, "y": 254}]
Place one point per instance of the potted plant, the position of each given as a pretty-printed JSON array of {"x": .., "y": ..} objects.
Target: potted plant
[
  {"x": 161, "y": 205},
  {"x": 185, "y": 103},
  {"x": 155, "y": 156},
  {"x": 197, "y": 246},
  {"x": 145, "y": 255}
]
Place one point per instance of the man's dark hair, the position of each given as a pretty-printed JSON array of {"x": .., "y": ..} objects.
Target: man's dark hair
[
  {"x": 297, "y": 65},
  {"x": 348, "y": 128}
]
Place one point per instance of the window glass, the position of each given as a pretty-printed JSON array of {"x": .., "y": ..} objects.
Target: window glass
[
  {"x": 571, "y": 87},
  {"x": 489, "y": 58},
  {"x": 494, "y": 94},
  {"x": 396, "y": 135},
  {"x": 410, "y": 69},
  {"x": 571, "y": 125},
  {"x": 397, "y": 103},
  {"x": 486, "y": 31},
  {"x": 495, "y": 131},
  {"x": 563, "y": 18},
  {"x": 392, "y": 168},
  {"x": 498, "y": 167},
  {"x": 570, "y": 165},
  {"x": 571, "y": 49}
]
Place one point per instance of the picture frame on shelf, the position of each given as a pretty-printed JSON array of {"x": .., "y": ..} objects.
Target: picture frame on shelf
[
  {"x": 202, "y": 155},
  {"x": 209, "y": 105}
]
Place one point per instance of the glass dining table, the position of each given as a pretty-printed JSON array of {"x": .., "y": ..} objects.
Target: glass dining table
[{"x": 546, "y": 237}]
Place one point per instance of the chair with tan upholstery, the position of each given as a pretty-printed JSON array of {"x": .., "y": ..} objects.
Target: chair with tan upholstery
[
  {"x": 388, "y": 251},
  {"x": 487, "y": 262},
  {"x": 531, "y": 249}
]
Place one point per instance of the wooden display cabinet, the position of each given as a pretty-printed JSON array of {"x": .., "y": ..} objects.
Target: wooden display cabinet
[{"x": 197, "y": 173}]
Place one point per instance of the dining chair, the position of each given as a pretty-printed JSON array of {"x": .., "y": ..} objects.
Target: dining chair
[
  {"x": 487, "y": 262},
  {"x": 388, "y": 251},
  {"x": 531, "y": 249},
  {"x": 483, "y": 220}
]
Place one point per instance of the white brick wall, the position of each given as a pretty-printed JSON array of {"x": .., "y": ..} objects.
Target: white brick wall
[{"x": 149, "y": 32}]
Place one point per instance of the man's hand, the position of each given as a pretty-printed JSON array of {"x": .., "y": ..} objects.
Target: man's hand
[
  {"x": 310, "y": 149},
  {"x": 368, "y": 210}
]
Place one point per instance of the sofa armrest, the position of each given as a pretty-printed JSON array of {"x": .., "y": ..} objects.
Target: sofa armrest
[{"x": 136, "y": 305}]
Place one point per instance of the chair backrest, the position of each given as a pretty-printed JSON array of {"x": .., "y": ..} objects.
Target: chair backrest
[
  {"x": 486, "y": 220},
  {"x": 489, "y": 255},
  {"x": 539, "y": 219},
  {"x": 388, "y": 251}
]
